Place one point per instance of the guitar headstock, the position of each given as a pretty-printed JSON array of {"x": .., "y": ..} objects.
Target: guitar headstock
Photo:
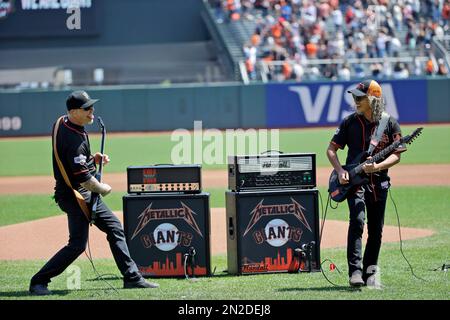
[
  {"x": 100, "y": 122},
  {"x": 410, "y": 138}
]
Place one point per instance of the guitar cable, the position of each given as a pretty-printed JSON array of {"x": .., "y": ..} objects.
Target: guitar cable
[
  {"x": 324, "y": 217},
  {"x": 91, "y": 260},
  {"x": 190, "y": 256},
  {"x": 401, "y": 241}
]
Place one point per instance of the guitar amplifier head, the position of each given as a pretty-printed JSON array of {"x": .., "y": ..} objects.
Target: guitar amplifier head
[
  {"x": 164, "y": 179},
  {"x": 272, "y": 171}
]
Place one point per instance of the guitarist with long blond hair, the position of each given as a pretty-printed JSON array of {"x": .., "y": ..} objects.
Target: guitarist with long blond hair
[{"x": 369, "y": 129}]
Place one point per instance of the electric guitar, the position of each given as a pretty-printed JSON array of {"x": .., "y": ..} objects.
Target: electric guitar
[
  {"x": 339, "y": 192},
  {"x": 98, "y": 176}
]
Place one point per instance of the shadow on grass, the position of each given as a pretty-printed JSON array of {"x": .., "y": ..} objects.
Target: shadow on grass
[
  {"x": 58, "y": 293},
  {"x": 182, "y": 277},
  {"x": 331, "y": 288},
  {"x": 106, "y": 277},
  {"x": 26, "y": 293}
]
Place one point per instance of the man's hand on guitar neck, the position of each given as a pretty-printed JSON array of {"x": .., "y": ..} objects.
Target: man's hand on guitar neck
[
  {"x": 98, "y": 157},
  {"x": 370, "y": 167},
  {"x": 390, "y": 161}
]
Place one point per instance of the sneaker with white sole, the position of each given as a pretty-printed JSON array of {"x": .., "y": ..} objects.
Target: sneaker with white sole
[{"x": 356, "y": 279}]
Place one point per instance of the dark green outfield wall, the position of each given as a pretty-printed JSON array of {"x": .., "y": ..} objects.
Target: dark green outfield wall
[
  {"x": 140, "y": 109},
  {"x": 438, "y": 100}
]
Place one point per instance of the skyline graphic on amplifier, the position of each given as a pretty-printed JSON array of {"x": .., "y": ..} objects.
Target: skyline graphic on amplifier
[
  {"x": 280, "y": 263},
  {"x": 261, "y": 210},
  {"x": 185, "y": 213},
  {"x": 168, "y": 268}
]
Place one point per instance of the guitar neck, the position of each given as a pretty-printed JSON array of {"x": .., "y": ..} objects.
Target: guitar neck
[
  {"x": 102, "y": 149},
  {"x": 380, "y": 155}
]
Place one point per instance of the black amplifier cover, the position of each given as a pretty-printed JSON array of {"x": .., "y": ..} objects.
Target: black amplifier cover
[
  {"x": 264, "y": 229},
  {"x": 161, "y": 228}
]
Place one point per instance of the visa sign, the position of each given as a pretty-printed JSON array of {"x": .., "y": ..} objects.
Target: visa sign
[{"x": 299, "y": 105}]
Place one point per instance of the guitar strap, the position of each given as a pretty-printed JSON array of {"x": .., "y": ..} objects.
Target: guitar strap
[
  {"x": 376, "y": 137},
  {"x": 78, "y": 196}
]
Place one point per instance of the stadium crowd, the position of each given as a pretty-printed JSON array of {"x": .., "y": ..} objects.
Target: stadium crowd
[{"x": 290, "y": 35}]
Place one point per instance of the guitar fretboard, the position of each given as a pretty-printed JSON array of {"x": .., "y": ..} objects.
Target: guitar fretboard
[{"x": 380, "y": 155}]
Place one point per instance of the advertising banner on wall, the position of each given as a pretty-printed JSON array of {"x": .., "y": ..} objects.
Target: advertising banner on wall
[
  {"x": 327, "y": 103},
  {"x": 48, "y": 18}
]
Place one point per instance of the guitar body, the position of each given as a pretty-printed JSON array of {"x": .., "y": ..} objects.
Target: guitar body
[{"x": 339, "y": 192}]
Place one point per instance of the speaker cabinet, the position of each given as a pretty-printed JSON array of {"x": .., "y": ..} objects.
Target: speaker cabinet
[
  {"x": 265, "y": 228},
  {"x": 162, "y": 229}
]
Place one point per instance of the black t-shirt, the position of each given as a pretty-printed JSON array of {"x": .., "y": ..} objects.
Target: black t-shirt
[
  {"x": 355, "y": 132},
  {"x": 74, "y": 152}
]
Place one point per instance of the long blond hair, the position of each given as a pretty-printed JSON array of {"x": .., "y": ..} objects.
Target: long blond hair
[{"x": 378, "y": 105}]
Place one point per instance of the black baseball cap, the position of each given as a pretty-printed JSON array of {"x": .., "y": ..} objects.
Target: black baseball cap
[
  {"x": 79, "y": 100},
  {"x": 367, "y": 88}
]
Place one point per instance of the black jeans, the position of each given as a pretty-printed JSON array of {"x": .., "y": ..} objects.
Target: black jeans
[
  {"x": 375, "y": 204},
  {"x": 78, "y": 235}
]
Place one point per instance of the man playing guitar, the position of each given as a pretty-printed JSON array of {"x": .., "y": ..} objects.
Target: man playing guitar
[{"x": 357, "y": 133}]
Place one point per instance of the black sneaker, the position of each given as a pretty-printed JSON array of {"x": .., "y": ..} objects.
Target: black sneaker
[
  {"x": 141, "y": 283},
  {"x": 39, "y": 290},
  {"x": 356, "y": 279}
]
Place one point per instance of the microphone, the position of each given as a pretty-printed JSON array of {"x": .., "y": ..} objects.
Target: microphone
[{"x": 307, "y": 246}]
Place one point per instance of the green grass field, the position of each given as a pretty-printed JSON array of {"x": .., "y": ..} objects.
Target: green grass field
[
  {"x": 422, "y": 207},
  {"x": 26, "y": 157},
  {"x": 15, "y": 210}
]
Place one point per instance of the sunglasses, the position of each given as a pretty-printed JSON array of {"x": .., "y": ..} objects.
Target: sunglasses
[
  {"x": 88, "y": 109},
  {"x": 357, "y": 98}
]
